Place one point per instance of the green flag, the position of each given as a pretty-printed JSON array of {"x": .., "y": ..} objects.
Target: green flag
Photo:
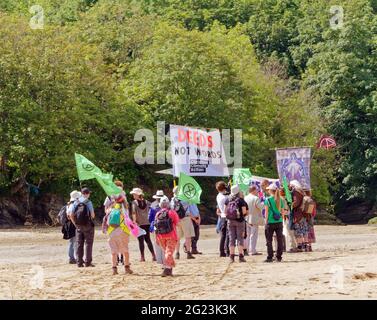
[
  {"x": 106, "y": 182},
  {"x": 88, "y": 170},
  {"x": 188, "y": 189},
  {"x": 288, "y": 195},
  {"x": 242, "y": 178},
  {"x": 85, "y": 168}
]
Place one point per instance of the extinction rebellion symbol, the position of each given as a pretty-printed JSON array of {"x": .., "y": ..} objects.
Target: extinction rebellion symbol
[
  {"x": 88, "y": 166},
  {"x": 243, "y": 178},
  {"x": 189, "y": 190}
]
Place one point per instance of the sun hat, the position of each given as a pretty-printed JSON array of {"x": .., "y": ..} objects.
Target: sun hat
[
  {"x": 296, "y": 184},
  {"x": 159, "y": 194},
  {"x": 75, "y": 195},
  {"x": 137, "y": 191},
  {"x": 235, "y": 190}
]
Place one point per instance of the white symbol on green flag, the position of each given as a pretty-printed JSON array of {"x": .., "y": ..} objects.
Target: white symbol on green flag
[
  {"x": 188, "y": 189},
  {"x": 242, "y": 178},
  {"x": 88, "y": 170}
]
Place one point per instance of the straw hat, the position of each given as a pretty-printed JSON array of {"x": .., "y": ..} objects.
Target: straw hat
[
  {"x": 159, "y": 194},
  {"x": 75, "y": 195},
  {"x": 235, "y": 190},
  {"x": 137, "y": 191}
]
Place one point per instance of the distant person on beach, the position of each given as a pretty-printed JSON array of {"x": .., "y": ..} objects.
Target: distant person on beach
[
  {"x": 300, "y": 226},
  {"x": 220, "y": 200},
  {"x": 140, "y": 210},
  {"x": 288, "y": 231},
  {"x": 114, "y": 226},
  {"x": 196, "y": 220},
  {"x": 274, "y": 206},
  {"x": 235, "y": 210},
  {"x": 253, "y": 220},
  {"x": 165, "y": 224},
  {"x": 185, "y": 228},
  {"x": 153, "y": 210},
  {"x": 109, "y": 202},
  {"x": 82, "y": 214},
  {"x": 68, "y": 227},
  {"x": 310, "y": 220}
]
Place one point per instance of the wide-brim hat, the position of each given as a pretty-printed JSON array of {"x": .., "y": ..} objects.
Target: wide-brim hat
[
  {"x": 75, "y": 195},
  {"x": 296, "y": 184},
  {"x": 159, "y": 194},
  {"x": 137, "y": 191}
]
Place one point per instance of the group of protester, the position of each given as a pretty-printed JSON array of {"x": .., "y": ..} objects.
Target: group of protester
[
  {"x": 240, "y": 217},
  {"x": 163, "y": 223},
  {"x": 168, "y": 220}
]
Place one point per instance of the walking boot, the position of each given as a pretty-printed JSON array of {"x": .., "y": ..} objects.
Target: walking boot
[
  {"x": 241, "y": 258},
  {"x": 115, "y": 271},
  {"x": 231, "y": 258},
  {"x": 190, "y": 256},
  {"x": 128, "y": 270}
]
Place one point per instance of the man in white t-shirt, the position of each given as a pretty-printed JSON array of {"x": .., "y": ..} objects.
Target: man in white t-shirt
[
  {"x": 221, "y": 199},
  {"x": 254, "y": 219}
]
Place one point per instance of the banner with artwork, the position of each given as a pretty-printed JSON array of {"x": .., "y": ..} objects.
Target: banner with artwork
[
  {"x": 197, "y": 152},
  {"x": 257, "y": 181},
  {"x": 294, "y": 164}
]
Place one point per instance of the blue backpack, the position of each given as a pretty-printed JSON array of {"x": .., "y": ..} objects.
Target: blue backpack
[{"x": 114, "y": 218}]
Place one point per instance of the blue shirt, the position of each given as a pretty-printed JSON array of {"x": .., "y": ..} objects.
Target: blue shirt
[
  {"x": 88, "y": 203},
  {"x": 193, "y": 209}
]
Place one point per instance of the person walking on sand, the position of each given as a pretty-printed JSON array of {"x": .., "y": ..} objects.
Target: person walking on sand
[
  {"x": 301, "y": 227},
  {"x": 196, "y": 220},
  {"x": 165, "y": 224},
  {"x": 82, "y": 215},
  {"x": 153, "y": 210},
  {"x": 140, "y": 210},
  {"x": 310, "y": 220},
  {"x": 236, "y": 209},
  {"x": 254, "y": 219},
  {"x": 109, "y": 202},
  {"x": 184, "y": 227},
  {"x": 114, "y": 226},
  {"x": 223, "y": 224},
  {"x": 68, "y": 227},
  {"x": 274, "y": 206}
]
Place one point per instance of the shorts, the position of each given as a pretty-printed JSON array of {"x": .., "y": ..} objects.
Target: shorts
[
  {"x": 185, "y": 228},
  {"x": 236, "y": 231},
  {"x": 118, "y": 241}
]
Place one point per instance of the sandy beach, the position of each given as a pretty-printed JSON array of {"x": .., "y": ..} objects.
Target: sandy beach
[{"x": 33, "y": 265}]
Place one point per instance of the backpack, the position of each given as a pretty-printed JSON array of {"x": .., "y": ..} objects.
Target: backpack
[
  {"x": 62, "y": 215},
  {"x": 114, "y": 218},
  {"x": 163, "y": 222},
  {"x": 232, "y": 210},
  {"x": 82, "y": 214},
  {"x": 308, "y": 206},
  {"x": 178, "y": 207}
]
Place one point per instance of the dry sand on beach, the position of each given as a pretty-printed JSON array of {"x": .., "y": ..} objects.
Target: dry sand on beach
[{"x": 33, "y": 265}]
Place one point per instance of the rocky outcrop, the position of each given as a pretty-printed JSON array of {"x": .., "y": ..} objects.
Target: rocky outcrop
[{"x": 357, "y": 212}]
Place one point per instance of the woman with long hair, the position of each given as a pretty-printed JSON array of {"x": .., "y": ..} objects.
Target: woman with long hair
[
  {"x": 140, "y": 209},
  {"x": 274, "y": 207}
]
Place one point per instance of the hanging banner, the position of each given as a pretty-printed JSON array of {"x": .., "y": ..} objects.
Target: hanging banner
[
  {"x": 257, "y": 181},
  {"x": 197, "y": 152},
  {"x": 294, "y": 164}
]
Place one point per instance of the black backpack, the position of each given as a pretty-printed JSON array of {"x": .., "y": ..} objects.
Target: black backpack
[
  {"x": 178, "y": 207},
  {"x": 62, "y": 215},
  {"x": 163, "y": 223},
  {"x": 82, "y": 214}
]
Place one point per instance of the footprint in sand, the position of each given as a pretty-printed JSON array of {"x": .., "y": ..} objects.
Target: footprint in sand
[{"x": 364, "y": 276}]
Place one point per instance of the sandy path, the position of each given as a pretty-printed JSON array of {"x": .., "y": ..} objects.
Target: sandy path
[{"x": 33, "y": 265}]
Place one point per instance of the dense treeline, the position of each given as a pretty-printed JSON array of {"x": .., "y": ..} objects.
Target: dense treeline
[{"x": 100, "y": 70}]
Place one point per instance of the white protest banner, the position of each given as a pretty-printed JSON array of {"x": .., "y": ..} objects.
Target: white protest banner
[{"x": 197, "y": 152}]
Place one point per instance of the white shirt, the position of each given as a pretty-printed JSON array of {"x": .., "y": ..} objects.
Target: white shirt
[
  {"x": 255, "y": 209},
  {"x": 220, "y": 199}
]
